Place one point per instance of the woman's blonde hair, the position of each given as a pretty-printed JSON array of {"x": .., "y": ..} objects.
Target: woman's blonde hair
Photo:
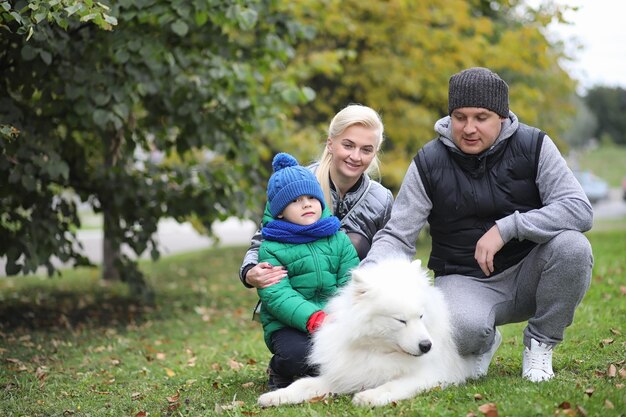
[{"x": 353, "y": 114}]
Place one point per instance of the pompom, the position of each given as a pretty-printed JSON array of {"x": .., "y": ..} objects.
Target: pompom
[{"x": 283, "y": 160}]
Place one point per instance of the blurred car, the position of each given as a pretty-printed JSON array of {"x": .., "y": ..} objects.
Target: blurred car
[{"x": 594, "y": 187}]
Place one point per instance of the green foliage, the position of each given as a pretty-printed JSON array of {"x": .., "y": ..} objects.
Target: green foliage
[
  {"x": 73, "y": 346},
  {"x": 608, "y": 104},
  {"x": 24, "y": 17},
  {"x": 397, "y": 57},
  {"x": 200, "y": 81}
]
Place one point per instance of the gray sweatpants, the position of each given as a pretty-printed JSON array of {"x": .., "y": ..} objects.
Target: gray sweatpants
[{"x": 545, "y": 288}]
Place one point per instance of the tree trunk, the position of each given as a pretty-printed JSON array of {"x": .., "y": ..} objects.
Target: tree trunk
[
  {"x": 110, "y": 245},
  {"x": 110, "y": 250}
]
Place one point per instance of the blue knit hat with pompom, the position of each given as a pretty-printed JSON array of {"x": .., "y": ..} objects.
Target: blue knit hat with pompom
[{"x": 290, "y": 181}]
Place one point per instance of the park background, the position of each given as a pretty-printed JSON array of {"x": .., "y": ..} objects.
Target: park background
[{"x": 117, "y": 118}]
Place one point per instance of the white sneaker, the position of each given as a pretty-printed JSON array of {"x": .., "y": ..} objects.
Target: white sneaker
[
  {"x": 537, "y": 362},
  {"x": 483, "y": 361}
]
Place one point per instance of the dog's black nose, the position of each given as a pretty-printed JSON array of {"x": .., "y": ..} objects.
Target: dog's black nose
[{"x": 425, "y": 346}]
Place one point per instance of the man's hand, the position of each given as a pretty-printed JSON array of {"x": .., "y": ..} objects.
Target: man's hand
[{"x": 487, "y": 247}]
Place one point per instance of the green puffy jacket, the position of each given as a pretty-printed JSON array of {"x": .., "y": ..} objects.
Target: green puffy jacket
[{"x": 315, "y": 271}]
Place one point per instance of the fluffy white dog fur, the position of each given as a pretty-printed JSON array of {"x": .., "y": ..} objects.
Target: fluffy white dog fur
[{"x": 387, "y": 338}]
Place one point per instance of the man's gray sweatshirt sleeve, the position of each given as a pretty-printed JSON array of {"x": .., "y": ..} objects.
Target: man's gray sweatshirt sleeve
[
  {"x": 408, "y": 215},
  {"x": 565, "y": 205},
  {"x": 251, "y": 258}
]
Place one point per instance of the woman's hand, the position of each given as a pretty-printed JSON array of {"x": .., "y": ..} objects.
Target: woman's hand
[{"x": 265, "y": 274}]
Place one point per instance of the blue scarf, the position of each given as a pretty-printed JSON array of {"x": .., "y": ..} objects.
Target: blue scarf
[{"x": 286, "y": 232}]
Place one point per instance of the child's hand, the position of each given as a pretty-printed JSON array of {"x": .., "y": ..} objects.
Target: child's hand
[{"x": 315, "y": 321}]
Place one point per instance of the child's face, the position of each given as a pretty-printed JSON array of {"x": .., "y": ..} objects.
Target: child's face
[{"x": 305, "y": 210}]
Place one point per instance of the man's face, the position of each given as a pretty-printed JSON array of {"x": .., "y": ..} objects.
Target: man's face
[{"x": 475, "y": 129}]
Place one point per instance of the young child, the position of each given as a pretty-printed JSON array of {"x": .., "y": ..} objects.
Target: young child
[{"x": 301, "y": 235}]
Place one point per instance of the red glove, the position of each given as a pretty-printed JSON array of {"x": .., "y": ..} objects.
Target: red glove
[{"x": 315, "y": 321}]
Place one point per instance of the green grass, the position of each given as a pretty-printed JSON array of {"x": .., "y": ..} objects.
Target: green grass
[
  {"x": 607, "y": 161},
  {"x": 71, "y": 346}
]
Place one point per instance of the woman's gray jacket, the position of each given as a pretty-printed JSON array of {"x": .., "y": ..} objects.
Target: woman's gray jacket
[{"x": 364, "y": 209}]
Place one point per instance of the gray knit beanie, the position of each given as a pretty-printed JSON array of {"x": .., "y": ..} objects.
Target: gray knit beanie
[{"x": 478, "y": 87}]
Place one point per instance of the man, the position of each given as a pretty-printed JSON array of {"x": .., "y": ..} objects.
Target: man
[{"x": 506, "y": 217}]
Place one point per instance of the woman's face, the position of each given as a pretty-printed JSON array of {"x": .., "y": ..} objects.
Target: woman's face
[{"x": 352, "y": 152}]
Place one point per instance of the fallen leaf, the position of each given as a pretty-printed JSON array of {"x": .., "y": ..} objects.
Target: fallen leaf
[
  {"x": 247, "y": 384},
  {"x": 478, "y": 397},
  {"x": 616, "y": 332},
  {"x": 606, "y": 342},
  {"x": 141, "y": 414},
  {"x": 612, "y": 371},
  {"x": 622, "y": 288},
  {"x": 589, "y": 391},
  {"x": 219, "y": 409},
  {"x": 608, "y": 404},
  {"x": 174, "y": 398},
  {"x": 216, "y": 367},
  {"x": 489, "y": 409},
  {"x": 235, "y": 365},
  {"x": 471, "y": 414},
  {"x": 582, "y": 411},
  {"x": 136, "y": 396},
  {"x": 317, "y": 399},
  {"x": 565, "y": 405},
  {"x": 169, "y": 372},
  {"x": 161, "y": 356},
  {"x": 191, "y": 361},
  {"x": 41, "y": 373},
  {"x": 622, "y": 373}
]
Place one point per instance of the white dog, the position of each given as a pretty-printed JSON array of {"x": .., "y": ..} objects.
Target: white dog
[{"x": 387, "y": 338}]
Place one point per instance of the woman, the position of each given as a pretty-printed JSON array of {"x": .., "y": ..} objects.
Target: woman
[{"x": 363, "y": 205}]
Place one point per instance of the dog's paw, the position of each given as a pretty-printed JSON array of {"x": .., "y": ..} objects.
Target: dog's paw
[
  {"x": 269, "y": 399},
  {"x": 372, "y": 398}
]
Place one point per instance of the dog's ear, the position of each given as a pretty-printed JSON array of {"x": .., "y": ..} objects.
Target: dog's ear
[
  {"x": 360, "y": 282},
  {"x": 423, "y": 273}
]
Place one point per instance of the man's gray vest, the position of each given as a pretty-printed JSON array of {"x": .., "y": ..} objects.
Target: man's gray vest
[{"x": 470, "y": 192}]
